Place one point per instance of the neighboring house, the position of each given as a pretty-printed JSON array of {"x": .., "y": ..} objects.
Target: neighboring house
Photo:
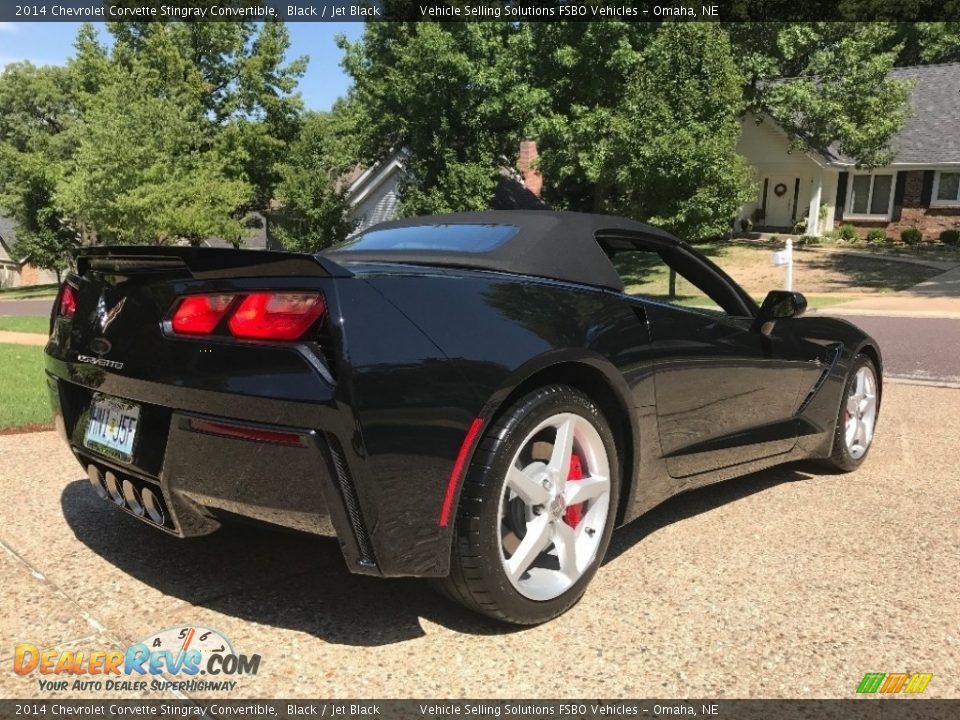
[
  {"x": 13, "y": 273},
  {"x": 374, "y": 193},
  {"x": 919, "y": 188}
]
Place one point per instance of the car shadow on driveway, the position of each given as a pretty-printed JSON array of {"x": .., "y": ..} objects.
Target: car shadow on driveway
[
  {"x": 267, "y": 576},
  {"x": 299, "y": 581},
  {"x": 688, "y": 504}
]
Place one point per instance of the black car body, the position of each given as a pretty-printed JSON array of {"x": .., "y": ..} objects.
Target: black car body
[{"x": 363, "y": 425}]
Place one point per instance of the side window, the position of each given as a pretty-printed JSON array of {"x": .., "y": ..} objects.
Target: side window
[{"x": 645, "y": 274}]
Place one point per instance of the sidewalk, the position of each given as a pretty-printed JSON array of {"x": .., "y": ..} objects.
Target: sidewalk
[
  {"x": 938, "y": 297},
  {"x": 22, "y": 338}
]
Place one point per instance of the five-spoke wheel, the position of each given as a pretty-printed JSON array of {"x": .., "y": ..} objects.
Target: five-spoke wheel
[
  {"x": 553, "y": 508},
  {"x": 857, "y": 420},
  {"x": 537, "y": 508}
]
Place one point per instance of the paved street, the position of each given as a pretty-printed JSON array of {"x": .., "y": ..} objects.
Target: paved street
[
  {"x": 925, "y": 349},
  {"x": 26, "y": 307},
  {"x": 788, "y": 583}
]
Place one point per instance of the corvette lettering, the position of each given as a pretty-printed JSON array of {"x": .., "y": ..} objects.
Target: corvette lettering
[{"x": 113, "y": 364}]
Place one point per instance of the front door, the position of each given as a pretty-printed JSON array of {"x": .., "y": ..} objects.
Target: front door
[
  {"x": 780, "y": 200},
  {"x": 725, "y": 394}
]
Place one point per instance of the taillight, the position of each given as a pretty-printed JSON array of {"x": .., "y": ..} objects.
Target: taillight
[
  {"x": 68, "y": 301},
  {"x": 200, "y": 314},
  {"x": 276, "y": 316},
  {"x": 258, "y": 316}
]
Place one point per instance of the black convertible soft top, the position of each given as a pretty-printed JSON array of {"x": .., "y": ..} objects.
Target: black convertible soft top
[{"x": 556, "y": 245}]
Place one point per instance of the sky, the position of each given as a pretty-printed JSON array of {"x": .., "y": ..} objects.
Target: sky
[{"x": 50, "y": 43}]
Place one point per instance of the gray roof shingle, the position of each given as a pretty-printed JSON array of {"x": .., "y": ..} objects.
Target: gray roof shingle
[{"x": 931, "y": 133}]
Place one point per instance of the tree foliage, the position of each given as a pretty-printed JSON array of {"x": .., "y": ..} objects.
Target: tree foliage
[
  {"x": 827, "y": 84},
  {"x": 638, "y": 118},
  {"x": 312, "y": 191},
  {"x": 37, "y": 114},
  {"x": 654, "y": 137},
  {"x": 451, "y": 95},
  {"x": 172, "y": 134}
]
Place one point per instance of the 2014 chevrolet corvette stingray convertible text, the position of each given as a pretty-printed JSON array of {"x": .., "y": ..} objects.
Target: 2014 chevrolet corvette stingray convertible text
[{"x": 474, "y": 398}]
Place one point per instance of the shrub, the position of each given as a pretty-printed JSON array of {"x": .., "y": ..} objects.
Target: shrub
[
  {"x": 831, "y": 235},
  {"x": 809, "y": 240},
  {"x": 877, "y": 235},
  {"x": 800, "y": 227},
  {"x": 950, "y": 237},
  {"x": 911, "y": 236},
  {"x": 848, "y": 232}
]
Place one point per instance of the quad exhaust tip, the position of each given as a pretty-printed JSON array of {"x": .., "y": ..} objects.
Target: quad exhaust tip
[
  {"x": 144, "y": 502},
  {"x": 113, "y": 489},
  {"x": 132, "y": 496},
  {"x": 153, "y": 506},
  {"x": 96, "y": 480}
]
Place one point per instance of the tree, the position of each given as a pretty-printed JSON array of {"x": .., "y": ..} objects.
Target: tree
[
  {"x": 651, "y": 131},
  {"x": 826, "y": 84},
  {"x": 312, "y": 191},
  {"x": 451, "y": 95},
  {"x": 928, "y": 42},
  {"x": 148, "y": 168},
  {"x": 37, "y": 112},
  {"x": 249, "y": 92}
]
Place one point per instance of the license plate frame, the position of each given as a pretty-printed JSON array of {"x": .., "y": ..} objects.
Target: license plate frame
[{"x": 112, "y": 426}]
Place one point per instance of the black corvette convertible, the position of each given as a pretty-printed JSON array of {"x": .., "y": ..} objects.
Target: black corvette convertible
[{"x": 474, "y": 398}]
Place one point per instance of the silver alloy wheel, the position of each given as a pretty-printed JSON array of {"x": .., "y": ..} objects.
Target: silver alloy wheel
[
  {"x": 861, "y": 412},
  {"x": 545, "y": 546}
]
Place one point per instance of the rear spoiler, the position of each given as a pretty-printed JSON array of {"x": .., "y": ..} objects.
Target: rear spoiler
[{"x": 203, "y": 263}]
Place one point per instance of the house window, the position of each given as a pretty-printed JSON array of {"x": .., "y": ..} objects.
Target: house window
[
  {"x": 871, "y": 196},
  {"x": 946, "y": 188}
]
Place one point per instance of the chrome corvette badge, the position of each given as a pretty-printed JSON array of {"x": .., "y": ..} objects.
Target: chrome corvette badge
[
  {"x": 100, "y": 361},
  {"x": 104, "y": 316}
]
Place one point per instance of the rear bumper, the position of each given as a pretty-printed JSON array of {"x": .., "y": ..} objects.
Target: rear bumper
[{"x": 198, "y": 475}]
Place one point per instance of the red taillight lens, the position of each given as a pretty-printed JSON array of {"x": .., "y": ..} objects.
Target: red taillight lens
[
  {"x": 68, "y": 301},
  {"x": 200, "y": 314},
  {"x": 276, "y": 316}
]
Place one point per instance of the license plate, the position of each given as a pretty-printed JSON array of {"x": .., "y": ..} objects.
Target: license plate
[{"x": 112, "y": 427}]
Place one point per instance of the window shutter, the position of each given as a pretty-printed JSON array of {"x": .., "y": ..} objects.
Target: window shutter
[
  {"x": 841, "y": 195},
  {"x": 927, "y": 193},
  {"x": 898, "y": 196}
]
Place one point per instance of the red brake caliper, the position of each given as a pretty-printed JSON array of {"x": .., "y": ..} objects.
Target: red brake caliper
[{"x": 574, "y": 513}]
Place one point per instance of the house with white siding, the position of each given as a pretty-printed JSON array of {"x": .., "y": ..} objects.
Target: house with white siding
[{"x": 822, "y": 189}]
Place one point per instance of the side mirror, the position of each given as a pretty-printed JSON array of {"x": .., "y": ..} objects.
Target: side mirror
[{"x": 778, "y": 305}]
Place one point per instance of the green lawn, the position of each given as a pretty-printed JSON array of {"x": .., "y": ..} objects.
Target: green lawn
[
  {"x": 23, "y": 391},
  {"x": 34, "y": 291},
  {"x": 26, "y": 323}
]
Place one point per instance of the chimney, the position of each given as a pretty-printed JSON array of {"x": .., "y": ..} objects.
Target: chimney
[{"x": 532, "y": 179}]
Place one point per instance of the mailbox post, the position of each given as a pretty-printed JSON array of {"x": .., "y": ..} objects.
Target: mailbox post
[{"x": 784, "y": 258}]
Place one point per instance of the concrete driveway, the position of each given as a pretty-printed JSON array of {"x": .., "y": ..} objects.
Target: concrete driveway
[{"x": 788, "y": 583}]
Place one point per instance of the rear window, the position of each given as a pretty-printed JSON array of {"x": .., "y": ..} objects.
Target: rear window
[{"x": 457, "y": 238}]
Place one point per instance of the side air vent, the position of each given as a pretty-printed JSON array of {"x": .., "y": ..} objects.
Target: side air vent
[
  {"x": 833, "y": 354},
  {"x": 349, "y": 495}
]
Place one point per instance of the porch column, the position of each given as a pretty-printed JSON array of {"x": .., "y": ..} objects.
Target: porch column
[{"x": 813, "y": 216}]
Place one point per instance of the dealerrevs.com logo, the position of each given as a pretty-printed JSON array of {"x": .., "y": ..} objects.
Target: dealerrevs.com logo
[{"x": 189, "y": 658}]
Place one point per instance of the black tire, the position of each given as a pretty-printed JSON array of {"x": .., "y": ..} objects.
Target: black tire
[
  {"x": 840, "y": 459},
  {"x": 477, "y": 577}
]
